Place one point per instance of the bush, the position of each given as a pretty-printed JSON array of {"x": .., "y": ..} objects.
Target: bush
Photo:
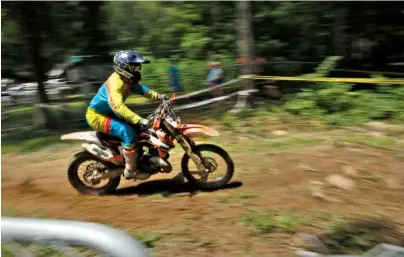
[{"x": 337, "y": 104}]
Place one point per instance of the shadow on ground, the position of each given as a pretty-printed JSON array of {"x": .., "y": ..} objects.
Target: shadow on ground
[
  {"x": 168, "y": 187},
  {"x": 359, "y": 236}
]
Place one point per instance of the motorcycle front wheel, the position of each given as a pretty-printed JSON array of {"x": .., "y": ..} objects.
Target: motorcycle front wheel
[
  {"x": 84, "y": 185},
  {"x": 211, "y": 164}
]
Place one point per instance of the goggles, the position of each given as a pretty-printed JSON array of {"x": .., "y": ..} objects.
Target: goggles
[{"x": 133, "y": 67}]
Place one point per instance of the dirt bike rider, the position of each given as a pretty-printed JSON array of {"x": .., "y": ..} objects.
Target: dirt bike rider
[{"x": 108, "y": 113}]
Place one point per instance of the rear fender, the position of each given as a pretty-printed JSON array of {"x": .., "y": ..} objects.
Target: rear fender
[
  {"x": 87, "y": 136},
  {"x": 189, "y": 129},
  {"x": 94, "y": 146}
]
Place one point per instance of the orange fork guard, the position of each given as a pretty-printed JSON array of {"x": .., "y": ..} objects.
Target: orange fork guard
[
  {"x": 156, "y": 124},
  {"x": 188, "y": 129}
]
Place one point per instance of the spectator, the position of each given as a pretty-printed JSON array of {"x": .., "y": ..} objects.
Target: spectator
[
  {"x": 266, "y": 88},
  {"x": 215, "y": 76},
  {"x": 175, "y": 77}
]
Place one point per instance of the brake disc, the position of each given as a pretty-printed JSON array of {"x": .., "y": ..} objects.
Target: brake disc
[
  {"x": 210, "y": 164},
  {"x": 92, "y": 173}
]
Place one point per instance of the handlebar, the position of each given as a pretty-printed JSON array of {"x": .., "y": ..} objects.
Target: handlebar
[
  {"x": 168, "y": 101},
  {"x": 164, "y": 103}
]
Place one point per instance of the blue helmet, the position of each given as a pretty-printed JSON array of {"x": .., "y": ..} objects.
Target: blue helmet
[{"x": 128, "y": 62}]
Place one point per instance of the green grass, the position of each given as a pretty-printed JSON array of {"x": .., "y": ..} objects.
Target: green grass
[
  {"x": 334, "y": 224},
  {"x": 372, "y": 176},
  {"x": 148, "y": 239},
  {"x": 11, "y": 211},
  {"x": 5, "y": 252},
  {"x": 387, "y": 143},
  {"x": 161, "y": 197},
  {"x": 340, "y": 235},
  {"x": 45, "y": 250},
  {"x": 32, "y": 140},
  {"x": 76, "y": 106},
  {"x": 251, "y": 125},
  {"x": 266, "y": 223},
  {"x": 400, "y": 156},
  {"x": 20, "y": 109},
  {"x": 347, "y": 236},
  {"x": 8, "y": 211},
  {"x": 20, "y": 143},
  {"x": 380, "y": 143},
  {"x": 12, "y": 145},
  {"x": 24, "y": 116},
  {"x": 281, "y": 144}
]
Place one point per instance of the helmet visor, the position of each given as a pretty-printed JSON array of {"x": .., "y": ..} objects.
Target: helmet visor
[{"x": 133, "y": 67}]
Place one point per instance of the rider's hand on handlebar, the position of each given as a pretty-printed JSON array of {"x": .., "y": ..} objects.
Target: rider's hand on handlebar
[
  {"x": 144, "y": 125},
  {"x": 144, "y": 121}
]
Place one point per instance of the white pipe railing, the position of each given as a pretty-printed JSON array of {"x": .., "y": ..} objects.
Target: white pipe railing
[{"x": 105, "y": 239}]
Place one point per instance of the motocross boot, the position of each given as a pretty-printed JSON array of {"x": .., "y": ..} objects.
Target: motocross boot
[{"x": 131, "y": 156}]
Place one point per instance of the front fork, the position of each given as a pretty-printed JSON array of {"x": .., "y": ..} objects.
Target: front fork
[
  {"x": 188, "y": 145},
  {"x": 184, "y": 141}
]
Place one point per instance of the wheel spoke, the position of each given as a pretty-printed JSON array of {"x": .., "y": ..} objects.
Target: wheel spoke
[
  {"x": 82, "y": 171},
  {"x": 92, "y": 172}
]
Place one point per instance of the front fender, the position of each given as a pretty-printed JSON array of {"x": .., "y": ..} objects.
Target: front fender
[{"x": 189, "y": 129}]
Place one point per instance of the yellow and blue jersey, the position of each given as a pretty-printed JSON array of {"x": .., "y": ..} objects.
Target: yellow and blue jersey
[{"x": 110, "y": 98}]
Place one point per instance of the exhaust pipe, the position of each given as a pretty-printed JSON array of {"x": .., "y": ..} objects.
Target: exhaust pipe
[
  {"x": 109, "y": 175},
  {"x": 164, "y": 165}
]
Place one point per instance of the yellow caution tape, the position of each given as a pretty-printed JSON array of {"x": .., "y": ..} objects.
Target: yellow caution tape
[
  {"x": 337, "y": 80},
  {"x": 372, "y": 72}
]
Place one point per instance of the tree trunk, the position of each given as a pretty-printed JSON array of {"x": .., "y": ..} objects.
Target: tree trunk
[
  {"x": 32, "y": 18},
  {"x": 245, "y": 38},
  {"x": 92, "y": 30},
  {"x": 339, "y": 35},
  {"x": 245, "y": 45},
  {"x": 31, "y": 21}
]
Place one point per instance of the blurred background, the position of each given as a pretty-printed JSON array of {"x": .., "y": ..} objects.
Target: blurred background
[
  {"x": 290, "y": 139},
  {"x": 64, "y": 49}
]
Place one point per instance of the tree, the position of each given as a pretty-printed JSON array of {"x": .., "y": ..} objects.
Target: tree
[
  {"x": 32, "y": 19},
  {"x": 33, "y": 16},
  {"x": 338, "y": 33},
  {"x": 93, "y": 31},
  {"x": 279, "y": 31},
  {"x": 244, "y": 37}
]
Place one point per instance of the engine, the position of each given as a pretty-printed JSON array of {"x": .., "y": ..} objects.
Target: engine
[{"x": 154, "y": 164}]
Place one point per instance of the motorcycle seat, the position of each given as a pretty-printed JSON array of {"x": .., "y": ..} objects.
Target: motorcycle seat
[
  {"x": 108, "y": 138},
  {"x": 112, "y": 139}
]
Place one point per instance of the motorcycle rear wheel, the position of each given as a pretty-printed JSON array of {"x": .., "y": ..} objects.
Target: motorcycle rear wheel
[
  {"x": 209, "y": 185},
  {"x": 75, "y": 181}
]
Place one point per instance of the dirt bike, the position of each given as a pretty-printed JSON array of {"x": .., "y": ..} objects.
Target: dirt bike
[{"x": 106, "y": 154}]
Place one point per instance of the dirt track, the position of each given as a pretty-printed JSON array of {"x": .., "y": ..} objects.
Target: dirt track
[{"x": 210, "y": 223}]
